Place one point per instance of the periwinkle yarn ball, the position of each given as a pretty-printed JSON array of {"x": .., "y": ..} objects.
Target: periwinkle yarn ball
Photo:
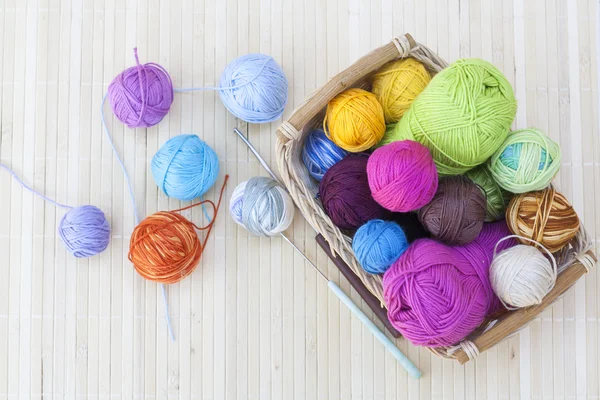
[
  {"x": 462, "y": 116},
  {"x": 320, "y": 153},
  {"x": 185, "y": 167},
  {"x": 84, "y": 231},
  {"x": 262, "y": 206},
  {"x": 402, "y": 176},
  {"x": 254, "y": 88},
  {"x": 345, "y": 193},
  {"x": 377, "y": 244},
  {"x": 141, "y": 96},
  {"x": 528, "y": 160},
  {"x": 456, "y": 213},
  {"x": 436, "y": 294}
]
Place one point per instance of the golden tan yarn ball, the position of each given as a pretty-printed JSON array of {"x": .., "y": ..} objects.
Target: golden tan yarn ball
[
  {"x": 545, "y": 216},
  {"x": 397, "y": 84}
]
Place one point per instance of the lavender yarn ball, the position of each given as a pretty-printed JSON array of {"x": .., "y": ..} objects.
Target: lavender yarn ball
[
  {"x": 85, "y": 231},
  {"x": 142, "y": 95},
  {"x": 254, "y": 88}
]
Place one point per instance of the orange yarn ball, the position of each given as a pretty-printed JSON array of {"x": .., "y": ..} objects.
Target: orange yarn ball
[
  {"x": 165, "y": 247},
  {"x": 544, "y": 216}
]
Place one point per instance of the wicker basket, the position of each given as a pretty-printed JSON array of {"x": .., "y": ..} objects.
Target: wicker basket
[{"x": 575, "y": 259}]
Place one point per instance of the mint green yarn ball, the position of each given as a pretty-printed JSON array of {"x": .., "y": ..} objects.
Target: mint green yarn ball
[
  {"x": 496, "y": 197},
  {"x": 462, "y": 116},
  {"x": 528, "y": 160}
]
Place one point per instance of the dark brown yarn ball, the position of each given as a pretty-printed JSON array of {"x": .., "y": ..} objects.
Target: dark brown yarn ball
[
  {"x": 346, "y": 196},
  {"x": 455, "y": 215}
]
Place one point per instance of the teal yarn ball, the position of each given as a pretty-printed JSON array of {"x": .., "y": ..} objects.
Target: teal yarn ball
[
  {"x": 378, "y": 244},
  {"x": 527, "y": 161},
  {"x": 185, "y": 167},
  {"x": 254, "y": 88}
]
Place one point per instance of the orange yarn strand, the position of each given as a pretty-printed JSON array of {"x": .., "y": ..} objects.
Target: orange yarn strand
[{"x": 165, "y": 247}]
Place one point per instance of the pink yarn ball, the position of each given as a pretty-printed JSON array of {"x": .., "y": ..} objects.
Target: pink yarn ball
[
  {"x": 402, "y": 176},
  {"x": 141, "y": 96},
  {"x": 436, "y": 295}
]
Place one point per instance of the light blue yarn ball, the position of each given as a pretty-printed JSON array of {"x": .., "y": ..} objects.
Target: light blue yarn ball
[
  {"x": 185, "y": 167},
  {"x": 254, "y": 88},
  {"x": 320, "y": 153},
  {"x": 378, "y": 244}
]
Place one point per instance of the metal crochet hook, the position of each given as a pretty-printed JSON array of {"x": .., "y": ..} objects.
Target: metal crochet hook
[{"x": 412, "y": 370}]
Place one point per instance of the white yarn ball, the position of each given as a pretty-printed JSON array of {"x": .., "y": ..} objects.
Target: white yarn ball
[
  {"x": 522, "y": 276},
  {"x": 262, "y": 206}
]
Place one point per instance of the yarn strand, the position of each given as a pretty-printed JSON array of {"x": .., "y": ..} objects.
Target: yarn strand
[{"x": 35, "y": 192}]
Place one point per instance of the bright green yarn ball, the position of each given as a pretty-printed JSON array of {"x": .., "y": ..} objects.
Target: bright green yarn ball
[
  {"x": 528, "y": 160},
  {"x": 462, "y": 116},
  {"x": 497, "y": 198}
]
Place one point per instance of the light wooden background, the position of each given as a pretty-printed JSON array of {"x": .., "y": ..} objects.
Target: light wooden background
[{"x": 253, "y": 321}]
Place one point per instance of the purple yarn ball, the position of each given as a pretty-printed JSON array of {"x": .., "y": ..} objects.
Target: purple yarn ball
[
  {"x": 85, "y": 231},
  {"x": 345, "y": 193},
  {"x": 142, "y": 95}
]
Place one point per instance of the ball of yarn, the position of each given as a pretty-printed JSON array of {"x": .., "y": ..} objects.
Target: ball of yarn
[
  {"x": 545, "y": 216},
  {"x": 496, "y": 197},
  {"x": 377, "y": 244},
  {"x": 402, "y": 176},
  {"x": 164, "y": 247},
  {"x": 254, "y": 88},
  {"x": 397, "y": 84},
  {"x": 319, "y": 153},
  {"x": 142, "y": 95},
  {"x": 185, "y": 167},
  {"x": 527, "y": 160},
  {"x": 456, "y": 213},
  {"x": 462, "y": 116},
  {"x": 388, "y": 136},
  {"x": 436, "y": 294},
  {"x": 345, "y": 193},
  {"x": 354, "y": 120},
  {"x": 521, "y": 276},
  {"x": 262, "y": 206},
  {"x": 85, "y": 231}
]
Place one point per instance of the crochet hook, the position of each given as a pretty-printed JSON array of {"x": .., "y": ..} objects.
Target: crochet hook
[{"x": 412, "y": 370}]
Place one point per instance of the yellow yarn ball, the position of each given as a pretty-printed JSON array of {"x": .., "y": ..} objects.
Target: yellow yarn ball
[
  {"x": 397, "y": 84},
  {"x": 354, "y": 120}
]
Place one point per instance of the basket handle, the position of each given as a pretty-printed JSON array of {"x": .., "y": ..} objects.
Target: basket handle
[
  {"x": 514, "y": 320},
  {"x": 398, "y": 47}
]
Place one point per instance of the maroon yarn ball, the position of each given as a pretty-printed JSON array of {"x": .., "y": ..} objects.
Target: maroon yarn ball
[
  {"x": 345, "y": 193},
  {"x": 402, "y": 176}
]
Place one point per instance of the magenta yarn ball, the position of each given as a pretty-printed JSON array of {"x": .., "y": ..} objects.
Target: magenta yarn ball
[
  {"x": 402, "y": 176},
  {"x": 141, "y": 96},
  {"x": 436, "y": 294},
  {"x": 345, "y": 194}
]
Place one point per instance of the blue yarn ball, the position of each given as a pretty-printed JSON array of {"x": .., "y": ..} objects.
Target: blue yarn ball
[
  {"x": 378, "y": 244},
  {"x": 185, "y": 167},
  {"x": 254, "y": 88},
  {"x": 320, "y": 153}
]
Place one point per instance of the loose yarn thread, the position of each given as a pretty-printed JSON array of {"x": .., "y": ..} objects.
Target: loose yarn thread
[
  {"x": 83, "y": 230},
  {"x": 185, "y": 167},
  {"x": 521, "y": 276},
  {"x": 402, "y": 176},
  {"x": 545, "y": 216},
  {"x": 320, "y": 153},
  {"x": 262, "y": 206},
  {"x": 354, "y": 120},
  {"x": 462, "y": 116},
  {"x": 456, "y": 213},
  {"x": 397, "y": 84},
  {"x": 378, "y": 244},
  {"x": 345, "y": 193},
  {"x": 528, "y": 160},
  {"x": 436, "y": 294}
]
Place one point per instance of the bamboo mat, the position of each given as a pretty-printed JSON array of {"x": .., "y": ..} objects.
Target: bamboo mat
[{"x": 254, "y": 321}]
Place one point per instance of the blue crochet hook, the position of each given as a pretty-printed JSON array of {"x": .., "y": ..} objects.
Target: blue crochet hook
[{"x": 412, "y": 370}]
